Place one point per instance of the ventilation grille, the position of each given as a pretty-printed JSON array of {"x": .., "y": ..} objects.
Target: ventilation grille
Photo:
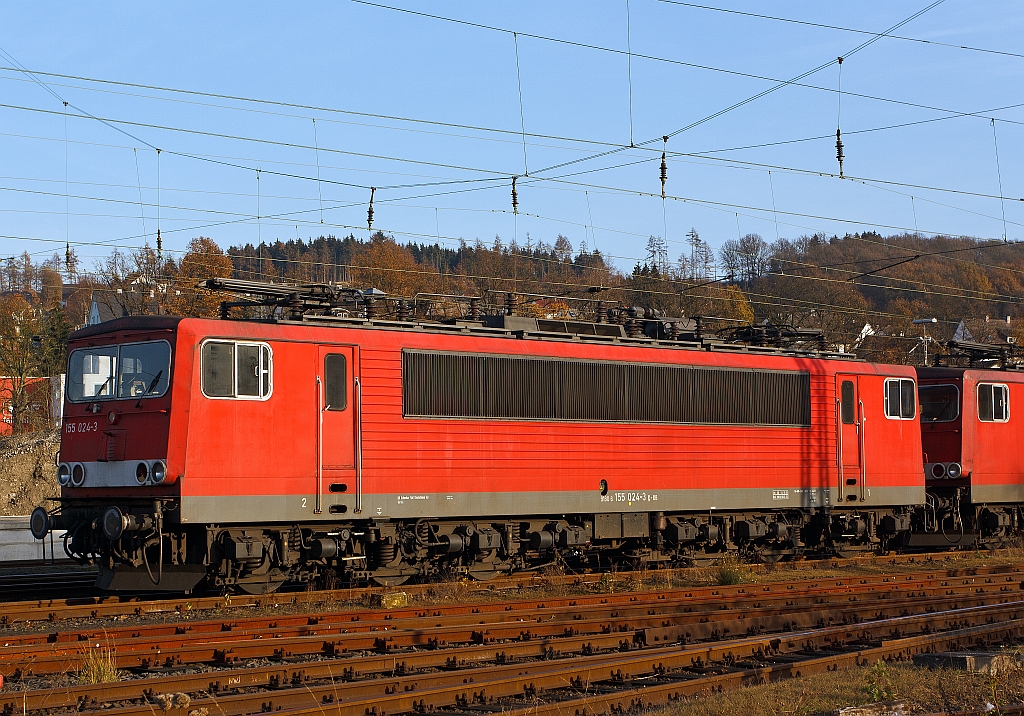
[{"x": 449, "y": 385}]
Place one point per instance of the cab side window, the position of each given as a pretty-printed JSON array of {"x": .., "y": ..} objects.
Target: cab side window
[
  {"x": 335, "y": 382},
  {"x": 847, "y": 409},
  {"x": 993, "y": 403},
  {"x": 233, "y": 369},
  {"x": 900, "y": 399}
]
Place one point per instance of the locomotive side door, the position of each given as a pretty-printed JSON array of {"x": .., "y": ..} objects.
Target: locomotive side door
[
  {"x": 849, "y": 434},
  {"x": 337, "y": 407}
]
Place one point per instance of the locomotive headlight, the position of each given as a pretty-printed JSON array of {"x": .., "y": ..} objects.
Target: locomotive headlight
[
  {"x": 141, "y": 472},
  {"x": 64, "y": 474},
  {"x": 953, "y": 470},
  {"x": 938, "y": 470},
  {"x": 159, "y": 472},
  {"x": 78, "y": 475}
]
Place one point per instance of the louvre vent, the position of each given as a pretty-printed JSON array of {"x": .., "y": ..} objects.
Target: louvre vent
[{"x": 451, "y": 385}]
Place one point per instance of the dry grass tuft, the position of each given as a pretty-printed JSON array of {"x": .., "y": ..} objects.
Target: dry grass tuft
[
  {"x": 730, "y": 570},
  {"x": 99, "y": 666},
  {"x": 923, "y": 690}
]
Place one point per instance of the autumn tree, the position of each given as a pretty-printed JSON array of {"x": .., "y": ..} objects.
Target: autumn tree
[
  {"x": 204, "y": 259},
  {"x": 32, "y": 345}
]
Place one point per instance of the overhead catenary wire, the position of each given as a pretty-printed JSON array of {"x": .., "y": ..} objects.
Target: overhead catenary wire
[
  {"x": 590, "y": 214},
  {"x": 775, "y": 212},
  {"x": 629, "y": 73},
  {"x": 999, "y": 175},
  {"x": 777, "y": 217},
  {"x": 809, "y": 172},
  {"x": 67, "y": 200},
  {"x": 319, "y": 189},
  {"x": 753, "y": 98},
  {"x": 838, "y": 27},
  {"x": 259, "y": 223},
  {"x": 584, "y": 45},
  {"x": 142, "y": 206},
  {"x": 159, "y": 237},
  {"x": 522, "y": 114}
]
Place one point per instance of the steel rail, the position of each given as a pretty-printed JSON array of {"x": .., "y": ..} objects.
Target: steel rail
[
  {"x": 356, "y": 620},
  {"x": 53, "y": 610},
  {"x": 899, "y": 649},
  {"x": 213, "y": 641},
  {"x": 491, "y": 687},
  {"x": 521, "y": 640}
]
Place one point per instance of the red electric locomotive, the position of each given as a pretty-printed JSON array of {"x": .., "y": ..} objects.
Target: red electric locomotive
[
  {"x": 255, "y": 452},
  {"x": 973, "y": 453}
]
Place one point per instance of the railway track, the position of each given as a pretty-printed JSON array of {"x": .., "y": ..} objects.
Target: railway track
[
  {"x": 598, "y": 652},
  {"x": 49, "y": 603}
]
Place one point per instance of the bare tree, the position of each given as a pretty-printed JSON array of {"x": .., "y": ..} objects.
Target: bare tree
[{"x": 747, "y": 258}]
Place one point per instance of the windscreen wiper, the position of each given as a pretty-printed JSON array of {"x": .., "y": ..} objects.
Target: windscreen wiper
[{"x": 152, "y": 385}]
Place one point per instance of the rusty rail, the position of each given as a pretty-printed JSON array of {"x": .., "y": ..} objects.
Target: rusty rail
[{"x": 362, "y": 644}]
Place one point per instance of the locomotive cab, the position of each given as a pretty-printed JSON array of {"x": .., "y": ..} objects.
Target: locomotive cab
[
  {"x": 973, "y": 462},
  {"x": 117, "y": 470}
]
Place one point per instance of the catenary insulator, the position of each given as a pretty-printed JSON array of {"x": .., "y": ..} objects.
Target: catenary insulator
[
  {"x": 664, "y": 167},
  {"x": 369, "y": 211},
  {"x": 515, "y": 197},
  {"x": 839, "y": 152}
]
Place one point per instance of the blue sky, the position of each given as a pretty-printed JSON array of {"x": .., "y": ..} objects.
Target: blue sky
[{"x": 343, "y": 62}]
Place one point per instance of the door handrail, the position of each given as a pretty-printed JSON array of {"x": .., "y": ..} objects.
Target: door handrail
[
  {"x": 358, "y": 420},
  {"x": 319, "y": 447},
  {"x": 862, "y": 449},
  {"x": 839, "y": 445}
]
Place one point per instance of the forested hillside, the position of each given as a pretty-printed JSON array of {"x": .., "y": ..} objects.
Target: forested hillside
[
  {"x": 838, "y": 284},
  {"x": 863, "y": 290}
]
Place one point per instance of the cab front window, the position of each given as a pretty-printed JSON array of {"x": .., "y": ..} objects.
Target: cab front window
[{"x": 122, "y": 372}]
